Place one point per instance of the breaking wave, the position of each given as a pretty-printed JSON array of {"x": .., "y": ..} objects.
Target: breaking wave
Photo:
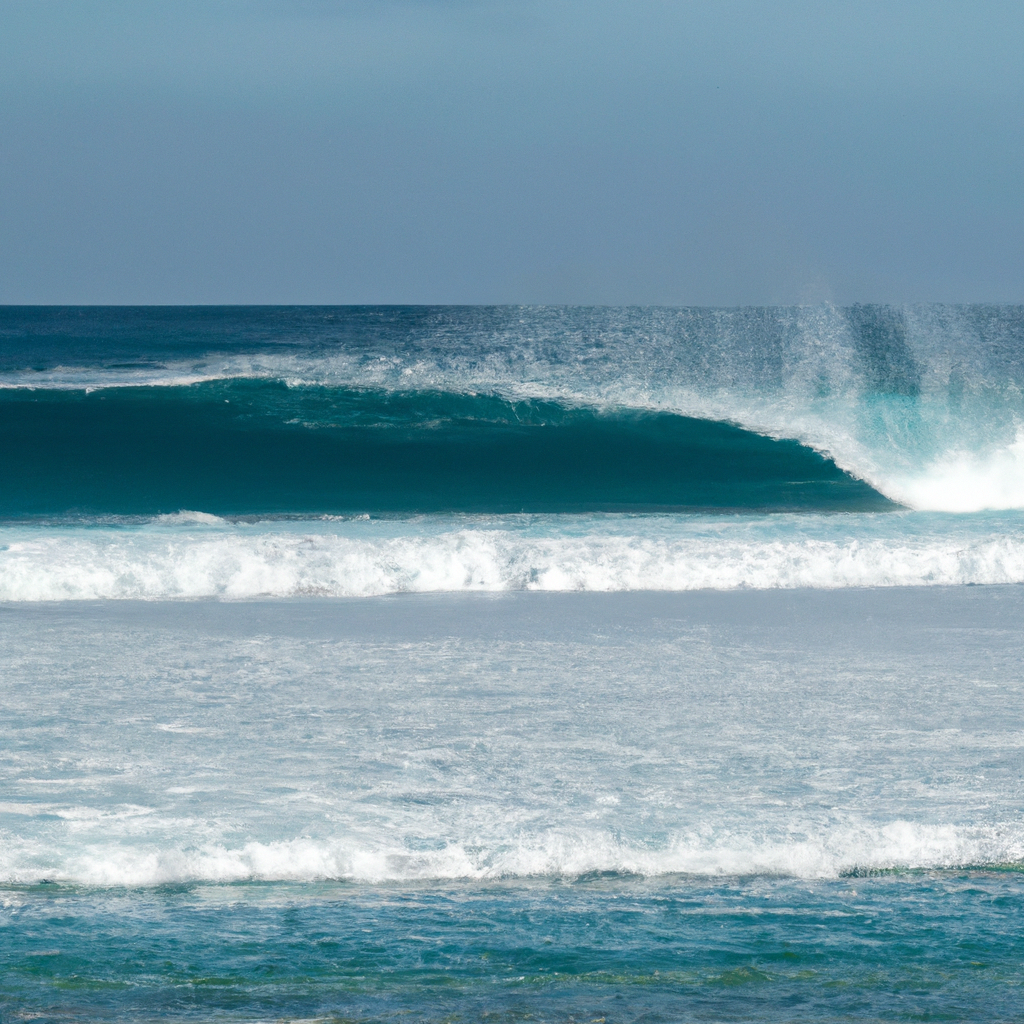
[
  {"x": 923, "y": 405},
  {"x": 194, "y": 555},
  {"x": 238, "y": 447},
  {"x": 896, "y": 846}
]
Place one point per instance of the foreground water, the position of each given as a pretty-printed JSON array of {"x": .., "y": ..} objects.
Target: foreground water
[
  {"x": 926, "y": 947},
  {"x": 511, "y": 663},
  {"x": 697, "y": 806}
]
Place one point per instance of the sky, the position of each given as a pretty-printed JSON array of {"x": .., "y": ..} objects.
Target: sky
[{"x": 511, "y": 151}]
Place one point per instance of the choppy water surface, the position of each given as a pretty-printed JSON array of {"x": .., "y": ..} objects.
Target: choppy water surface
[
  {"x": 542, "y": 664},
  {"x": 933, "y": 947},
  {"x": 693, "y": 805}
]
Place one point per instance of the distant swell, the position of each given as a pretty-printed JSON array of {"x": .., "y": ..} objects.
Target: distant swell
[{"x": 241, "y": 447}]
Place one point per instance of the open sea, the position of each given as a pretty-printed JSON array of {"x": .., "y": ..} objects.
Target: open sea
[{"x": 458, "y": 664}]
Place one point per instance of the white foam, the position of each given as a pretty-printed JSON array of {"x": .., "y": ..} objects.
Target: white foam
[
  {"x": 966, "y": 481},
  {"x": 187, "y": 517},
  {"x": 897, "y": 845},
  {"x": 196, "y": 556}
]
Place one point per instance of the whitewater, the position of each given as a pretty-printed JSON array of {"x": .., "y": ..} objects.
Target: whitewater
[
  {"x": 512, "y": 736},
  {"x": 196, "y": 555}
]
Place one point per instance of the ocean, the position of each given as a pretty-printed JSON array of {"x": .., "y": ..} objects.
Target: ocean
[{"x": 512, "y": 664}]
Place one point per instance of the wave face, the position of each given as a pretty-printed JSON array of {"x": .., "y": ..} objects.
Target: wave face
[
  {"x": 502, "y": 409},
  {"x": 236, "y": 447}
]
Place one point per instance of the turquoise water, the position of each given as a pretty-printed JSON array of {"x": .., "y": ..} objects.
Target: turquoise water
[
  {"x": 922, "y": 404},
  {"x": 549, "y": 664},
  {"x": 924, "y": 946},
  {"x": 256, "y": 447}
]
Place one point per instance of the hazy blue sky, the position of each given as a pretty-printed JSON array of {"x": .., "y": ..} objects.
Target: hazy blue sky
[{"x": 474, "y": 151}]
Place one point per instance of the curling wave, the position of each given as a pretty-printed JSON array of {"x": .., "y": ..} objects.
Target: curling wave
[
  {"x": 236, "y": 447},
  {"x": 923, "y": 405}
]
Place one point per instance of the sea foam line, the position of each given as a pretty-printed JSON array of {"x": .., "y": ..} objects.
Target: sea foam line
[
  {"x": 895, "y": 846},
  {"x": 205, "y": 558}
]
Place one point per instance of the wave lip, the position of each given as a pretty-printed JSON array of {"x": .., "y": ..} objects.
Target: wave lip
[
  {"x": 896, "y": 846},
  {"x": 196, "y": 556}
]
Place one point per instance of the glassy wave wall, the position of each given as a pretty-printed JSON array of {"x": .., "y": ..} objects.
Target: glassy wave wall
[
  {"x": 256, "y": 447},
  {"x": 510, "y": 408}
]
